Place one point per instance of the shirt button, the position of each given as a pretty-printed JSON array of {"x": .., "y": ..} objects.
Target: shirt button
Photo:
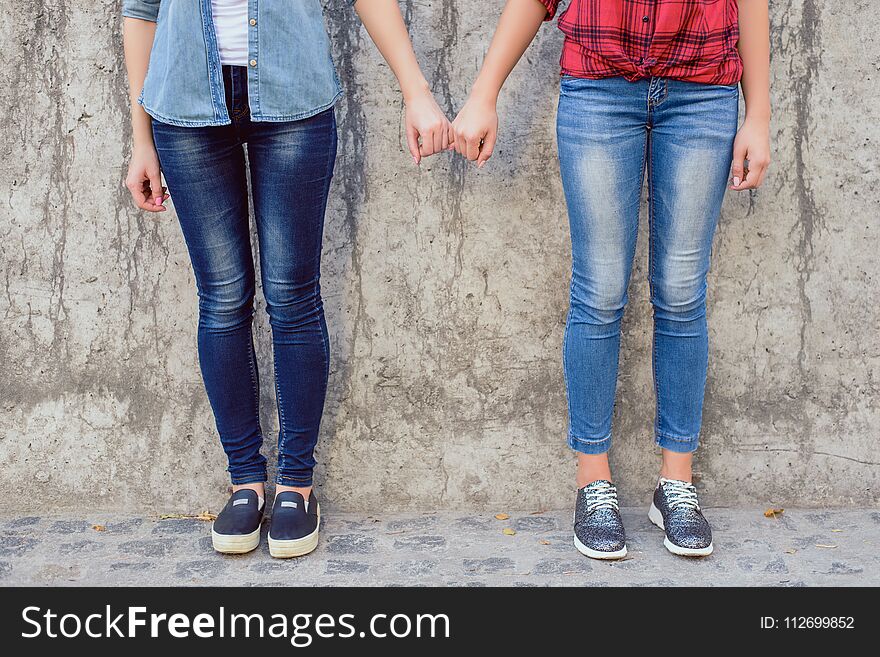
[
  {"x": 253, "y": 62},
  {"x": 253, "y": 21},
  {"x": 645, "y": 19}
]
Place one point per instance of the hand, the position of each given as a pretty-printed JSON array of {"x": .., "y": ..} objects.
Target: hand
[
  {"x": 476, "y": 129},
  {"x": 144, "y": 180},
  {"x": 427, "y": 129},
  {"x": 752, "y": 144}
]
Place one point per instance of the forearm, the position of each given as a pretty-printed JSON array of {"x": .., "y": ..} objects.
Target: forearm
[
  {"x": 517, "y": 27},
  {"x": 754, "y": 49},
  {"x": 137, "y": 37},
  {"x": 385, "y": 25}
]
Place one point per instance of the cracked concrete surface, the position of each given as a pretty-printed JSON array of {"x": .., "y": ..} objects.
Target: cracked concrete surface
[
  {"x": 446, "y": 289},
  {"x": 800, "y": 548}
]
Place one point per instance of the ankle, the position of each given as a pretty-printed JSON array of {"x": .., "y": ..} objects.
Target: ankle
[
  {"x": 675, "y": 476},
  {"x": 258, "y": 487},
  {"x": 305, "y": 491},
  {"x": 592, "y": 467},
  {"x": 676, "y": 465}
]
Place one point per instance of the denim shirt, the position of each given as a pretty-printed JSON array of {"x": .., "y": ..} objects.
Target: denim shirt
[{"x": 290, "y": 71}]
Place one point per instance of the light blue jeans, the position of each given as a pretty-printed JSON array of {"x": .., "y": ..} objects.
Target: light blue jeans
[{"x": 610, "y": 132}]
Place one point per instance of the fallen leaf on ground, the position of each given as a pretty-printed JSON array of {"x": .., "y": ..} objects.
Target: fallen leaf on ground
[
  {"x": 501, "y": 516},
  {"x": 836, "y": 530},
  {"x": 507, "y": 531},
  {"x": 791, "y": 551},
  {"x": 206, "y": 516},
  {"x": 822, "y": 545},
  {"x": 98, "y": 528},
  {"x": 772, "y": 513},
  {"x": 537, "y": 513},
  {"x": 544, "y": 542}
]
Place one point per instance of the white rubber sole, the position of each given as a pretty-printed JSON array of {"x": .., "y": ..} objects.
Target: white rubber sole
[
  {"x": 296, "y": 547},
  {"x": 597, "y": 554},
  {"x": 235, "y": 543},
  {"x": 656, "y": 517}
]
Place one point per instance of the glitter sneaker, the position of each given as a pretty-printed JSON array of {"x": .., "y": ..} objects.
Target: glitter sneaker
[
  {"x": 676, "y": 511},
  {"x": 598, "y": 530}
]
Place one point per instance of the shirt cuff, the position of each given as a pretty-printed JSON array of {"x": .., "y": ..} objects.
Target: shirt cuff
[
  {"x": 147, "y": 10},
  {"x": 552, "y": 6}
]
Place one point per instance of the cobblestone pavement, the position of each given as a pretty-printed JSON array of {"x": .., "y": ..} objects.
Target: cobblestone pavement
[{"x": 802, "y": 547}]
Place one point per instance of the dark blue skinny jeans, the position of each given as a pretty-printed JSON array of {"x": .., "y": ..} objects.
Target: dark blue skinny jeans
[{"x": 290, "y": 164}]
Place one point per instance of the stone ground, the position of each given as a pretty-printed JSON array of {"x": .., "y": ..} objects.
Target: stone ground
[{"x": 802, "y": 547}]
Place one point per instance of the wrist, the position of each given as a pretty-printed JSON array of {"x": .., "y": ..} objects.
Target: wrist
[
  {"x": 415, "y": 89},
  {"x": 758, "y": 118},
  {"x": 142, "y": 143},
  {"x": 485, "y": 92},
  {"x": 141, "y": 128},
  {"x": 758, "y": 111}
]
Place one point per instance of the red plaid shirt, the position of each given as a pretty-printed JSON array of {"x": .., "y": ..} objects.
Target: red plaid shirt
[{"x": 692, "y": 40}]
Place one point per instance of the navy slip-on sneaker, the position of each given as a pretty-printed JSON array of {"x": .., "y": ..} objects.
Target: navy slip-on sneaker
[
  {"x": 598, "y": 529},
  {"x": 237, "y": 528},
  {"x": 295, "y": 524},
  {"x": 676, "y": 511}
]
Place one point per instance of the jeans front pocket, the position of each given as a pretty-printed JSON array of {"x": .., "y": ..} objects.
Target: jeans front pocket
[{"x": 570, "y": 84}]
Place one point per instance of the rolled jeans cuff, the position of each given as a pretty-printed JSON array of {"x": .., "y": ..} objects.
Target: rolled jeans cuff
[
  {"x": 249, "y": 478},
  {"x": 587, "y": 446},
  {"x": 298, "y": 481},
  {"x": 677, "y": 444}
]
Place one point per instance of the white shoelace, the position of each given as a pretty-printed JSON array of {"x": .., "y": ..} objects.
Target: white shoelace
[
  {"x": 601, "y": 495},
  {"x": 680, "y": 493}
]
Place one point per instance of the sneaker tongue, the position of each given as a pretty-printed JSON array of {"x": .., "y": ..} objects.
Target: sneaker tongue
[
  {"x": 245, "y": 497},
  {"x": 600, "y": 494},
  {"x": 680, "y": 493},
  {"x": 664, "y": 480},
  {"x": 291, "y": 500}
]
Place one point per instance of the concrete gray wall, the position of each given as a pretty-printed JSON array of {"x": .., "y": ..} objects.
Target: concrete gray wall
[{"x": 446, "y": 289}]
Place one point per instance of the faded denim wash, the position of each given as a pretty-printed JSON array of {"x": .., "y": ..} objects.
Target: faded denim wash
[
  {"x": 290, "y": 166},
  {"x": 610, "y": 132},
  {"x": 291, "y": 74}
]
